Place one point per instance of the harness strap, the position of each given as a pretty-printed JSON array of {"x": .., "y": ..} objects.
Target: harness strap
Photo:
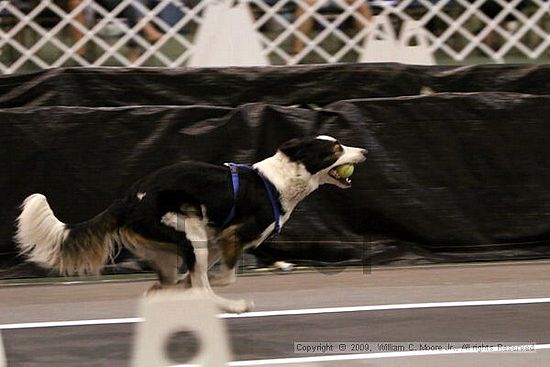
[
  {"x": 234, "y": 168},
  {"x": 235, "y": 182},
  {"x": 276, "y": 212}
]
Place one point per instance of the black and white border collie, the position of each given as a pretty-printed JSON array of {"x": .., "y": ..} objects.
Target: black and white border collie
[{"x": 180, "y": 214}]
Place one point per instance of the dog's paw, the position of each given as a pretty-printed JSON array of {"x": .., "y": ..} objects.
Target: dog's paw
[
  {"x": 283, "y": 266},
  {"x": 249, "y": 305},
  {"x": 170, "y": 219},
  {"x": 240, "y": 306}
]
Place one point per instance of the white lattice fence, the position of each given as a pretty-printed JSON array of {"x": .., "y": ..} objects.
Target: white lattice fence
[{"x": 37, "y": 34}]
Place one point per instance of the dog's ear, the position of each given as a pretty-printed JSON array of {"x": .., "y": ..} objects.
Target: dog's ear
[{"x": 292, "y": 147}]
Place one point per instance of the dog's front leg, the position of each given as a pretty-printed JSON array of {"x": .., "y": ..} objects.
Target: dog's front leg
[
  {"x": 195, "y": 231},
  {"x": 199, "y": 281}
]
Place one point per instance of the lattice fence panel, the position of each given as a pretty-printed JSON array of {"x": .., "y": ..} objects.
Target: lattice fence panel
[{"x": 39, "y": 34}]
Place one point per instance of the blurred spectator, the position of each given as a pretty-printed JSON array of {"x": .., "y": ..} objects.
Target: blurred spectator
[
  {"x": 306, "y": 27},
  {"x": 492, "y": 9},
  {"x": 24, "y": 5},
  {"x": 130, "y": 12},
  {"x": 171, "y": 13}
]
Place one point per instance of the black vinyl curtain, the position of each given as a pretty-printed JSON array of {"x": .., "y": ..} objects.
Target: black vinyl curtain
[{"x": 461, "y": 173}]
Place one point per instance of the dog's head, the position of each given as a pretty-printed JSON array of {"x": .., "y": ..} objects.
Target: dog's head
[{"x": 321, "y": 156}]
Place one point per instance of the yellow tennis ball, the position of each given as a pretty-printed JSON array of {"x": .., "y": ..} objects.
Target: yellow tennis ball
[{"x": 345, "y": 170}]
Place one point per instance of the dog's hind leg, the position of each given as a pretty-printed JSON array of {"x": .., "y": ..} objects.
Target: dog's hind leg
[
  {"x": 165, "y": 258},
  {"x": 165, "y": 263},
  {"x": 196, "y": 232}
]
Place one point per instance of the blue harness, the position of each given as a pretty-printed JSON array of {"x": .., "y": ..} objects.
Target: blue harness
[{"x": 234, "y": 167}]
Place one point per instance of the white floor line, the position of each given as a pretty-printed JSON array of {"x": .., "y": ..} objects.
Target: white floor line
[
  {"x": 306, "y": 311},
  {"x": 403, "y": 306},
  {"x": 47, "y": 324},
  {"x": 354, "y": 357},
  {"x": 3, "y": 362}
]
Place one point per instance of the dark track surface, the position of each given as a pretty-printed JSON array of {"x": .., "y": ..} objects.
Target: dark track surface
[{"x": 273, "y": 337}]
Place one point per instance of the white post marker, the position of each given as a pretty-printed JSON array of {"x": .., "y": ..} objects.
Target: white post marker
[
  {"x": 3, "y": 362},
  {"x": 419, "y": 53},
  {"x": 227, "y": 38},
  {"x": 381, "y": 44},
  {"x": 167, "y": 313}
]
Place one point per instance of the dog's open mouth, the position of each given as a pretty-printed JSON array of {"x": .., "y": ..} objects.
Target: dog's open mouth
[{"x": 344, "y": 182}]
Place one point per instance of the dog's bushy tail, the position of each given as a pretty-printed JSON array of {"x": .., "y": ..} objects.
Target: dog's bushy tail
[{"x": 70, "y": 249}]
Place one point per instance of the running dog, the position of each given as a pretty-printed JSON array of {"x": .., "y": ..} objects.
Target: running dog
[{"x": 189, "y": 212}]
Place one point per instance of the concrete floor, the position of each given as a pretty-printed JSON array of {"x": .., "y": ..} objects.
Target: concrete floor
[{"x": 268, "y": 338}]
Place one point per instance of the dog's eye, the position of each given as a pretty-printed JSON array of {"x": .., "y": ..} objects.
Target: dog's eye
[{"x": 338, "y": 148}]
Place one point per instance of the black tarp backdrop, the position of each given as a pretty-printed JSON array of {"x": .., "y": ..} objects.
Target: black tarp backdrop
[
  {"x": 449, "y": 177},
  {"x": 317, "y": 84}
]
